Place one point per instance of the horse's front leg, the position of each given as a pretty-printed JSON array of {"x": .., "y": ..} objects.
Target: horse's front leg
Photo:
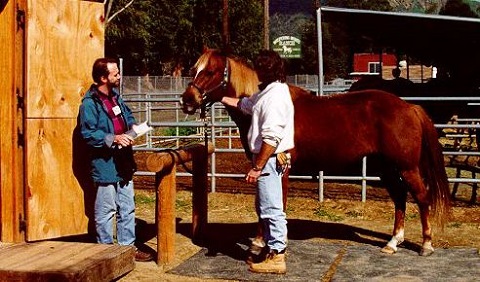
[{"x": 398, "y": 230}]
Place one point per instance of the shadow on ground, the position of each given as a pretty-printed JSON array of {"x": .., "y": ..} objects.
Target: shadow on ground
[{"x": 226, "y": 238}]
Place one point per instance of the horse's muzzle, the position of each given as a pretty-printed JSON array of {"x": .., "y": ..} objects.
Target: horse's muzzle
[
  {"x": 191, "y": 100},
  {"x": 189, "y": 109}
]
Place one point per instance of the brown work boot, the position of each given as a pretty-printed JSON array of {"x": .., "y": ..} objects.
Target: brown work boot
[
  {"x": 143, "y": 256},
  {"x": 273, "y": 263}
]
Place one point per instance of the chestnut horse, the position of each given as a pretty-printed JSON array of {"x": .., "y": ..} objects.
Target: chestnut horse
[{"x": 333, "y": 132}]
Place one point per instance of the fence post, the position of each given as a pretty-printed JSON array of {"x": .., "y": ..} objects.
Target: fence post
[
  {"x": 164, "y": 164},
  {"x": 199, "y": 194},
  {"x": 165, "y": 211},
  {"x": 364, "y": 179},
  {"x": 320, "y": 185}
]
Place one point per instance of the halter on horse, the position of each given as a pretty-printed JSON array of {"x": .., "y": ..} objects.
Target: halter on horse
[{"x": 205, "y": 94}]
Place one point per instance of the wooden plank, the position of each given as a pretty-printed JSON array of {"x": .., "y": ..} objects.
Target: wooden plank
[
  {"x": 65, "y": 261},
  {"x": 6, "y": 86},
  {"x": 64, "y": 39},
  {"x": 56, "y": 203},
  {"x": 11, "y": 153}
]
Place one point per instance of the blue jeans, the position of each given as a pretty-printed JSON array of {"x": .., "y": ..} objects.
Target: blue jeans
[
  {"x": 115, "y": 200},
  {"x": 269, "y": 206}
]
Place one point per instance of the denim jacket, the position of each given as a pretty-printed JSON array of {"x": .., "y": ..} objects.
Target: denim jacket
[{"x": 109, "y": 164}]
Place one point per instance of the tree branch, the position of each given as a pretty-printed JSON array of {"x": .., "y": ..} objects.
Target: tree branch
[{"x": 109, "y": 7}]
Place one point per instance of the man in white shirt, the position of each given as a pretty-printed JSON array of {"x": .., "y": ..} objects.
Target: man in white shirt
[{"x": 271, "y": 132}]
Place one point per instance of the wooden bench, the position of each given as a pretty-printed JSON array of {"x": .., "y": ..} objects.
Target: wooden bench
[{"x": 64, "y": 261}]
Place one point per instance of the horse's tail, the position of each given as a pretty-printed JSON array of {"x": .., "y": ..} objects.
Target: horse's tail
[{"x": 433, "y": 170}]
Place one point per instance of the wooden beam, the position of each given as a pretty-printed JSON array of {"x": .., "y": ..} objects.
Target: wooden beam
[
  {"x": 164, "y": 164},
  {"x": 65, "y": 261}
]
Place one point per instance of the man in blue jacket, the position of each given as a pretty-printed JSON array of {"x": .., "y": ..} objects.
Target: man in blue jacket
[{"x": 105, "y": 124}]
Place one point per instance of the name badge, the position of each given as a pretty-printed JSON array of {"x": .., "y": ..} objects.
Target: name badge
[{"x": 116, "y": 110}]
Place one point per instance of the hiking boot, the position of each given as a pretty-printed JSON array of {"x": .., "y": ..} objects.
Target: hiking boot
[
  {"x": 142, "y": 256},
  {"x": 273, "y": 263}
]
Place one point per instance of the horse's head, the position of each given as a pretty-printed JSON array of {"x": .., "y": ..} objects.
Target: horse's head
[
  {"x": 210, "y": 82},
  {"x": 216, "y": 76}
]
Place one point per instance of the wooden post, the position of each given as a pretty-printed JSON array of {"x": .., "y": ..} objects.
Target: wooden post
[
  {"x": 165, "y": 219},
  {"x": 200, "y": 194},
  {"x": 164, "y": 164}
]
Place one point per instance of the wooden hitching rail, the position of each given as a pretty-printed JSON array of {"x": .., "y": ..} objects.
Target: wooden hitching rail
[{"x": 164, "y": 165}]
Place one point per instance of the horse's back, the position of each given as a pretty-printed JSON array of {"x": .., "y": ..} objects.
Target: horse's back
[
  {"x": 372, "y": 101},
  {"x": 352, "y": 125}
]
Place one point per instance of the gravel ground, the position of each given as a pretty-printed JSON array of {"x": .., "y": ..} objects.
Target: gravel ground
[{"x": 341, "y": 220}]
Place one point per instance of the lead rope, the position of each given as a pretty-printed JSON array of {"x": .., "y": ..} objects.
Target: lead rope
[{"x": 203, "y": 116}]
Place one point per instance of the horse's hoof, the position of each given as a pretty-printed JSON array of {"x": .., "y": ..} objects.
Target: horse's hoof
[
  {"x": 388, "y": 250},
  {"x": 426, "y": 252}
]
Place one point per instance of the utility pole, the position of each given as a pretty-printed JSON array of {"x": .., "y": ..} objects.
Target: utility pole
[
  {"x": 266, "y": 25},
  {"x": 225, "y": 31}
]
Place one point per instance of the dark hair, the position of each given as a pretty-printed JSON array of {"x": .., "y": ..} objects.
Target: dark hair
[
  {"x": 271, "y": 65},
  {"x": 100, "y": 68}
]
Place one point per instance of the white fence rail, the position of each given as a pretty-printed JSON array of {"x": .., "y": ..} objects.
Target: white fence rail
[{"x": 160, "y": 106}]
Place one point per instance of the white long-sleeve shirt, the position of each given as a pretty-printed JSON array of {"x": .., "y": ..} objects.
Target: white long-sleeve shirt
[{"x": 272, "y": 118}]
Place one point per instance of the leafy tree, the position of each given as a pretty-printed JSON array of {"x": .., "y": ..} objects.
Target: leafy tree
[
  {"x": 282, "y": 24},
  {"x": 142, "y": 35},
  {"x": 246, "y": 27},
  {"x": 378, "y": 5},
  {"x": 152, "y": 36},
  {"x": 458, "y": 8}
]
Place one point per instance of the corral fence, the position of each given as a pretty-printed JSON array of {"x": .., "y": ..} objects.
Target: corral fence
[{"x": 157, "y": 100}]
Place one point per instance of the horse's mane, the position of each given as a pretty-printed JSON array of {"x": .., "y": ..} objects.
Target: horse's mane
[{"x": 243, "y": 78}]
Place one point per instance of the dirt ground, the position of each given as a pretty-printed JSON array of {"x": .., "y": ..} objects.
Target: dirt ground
[{"x": 349, "y": 221}]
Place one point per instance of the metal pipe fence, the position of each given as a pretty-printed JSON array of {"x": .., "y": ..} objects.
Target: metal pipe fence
[{"x": 173, "y": 129}]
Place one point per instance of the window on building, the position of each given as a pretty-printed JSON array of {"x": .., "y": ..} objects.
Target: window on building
[{"x": 374, "y": 67}]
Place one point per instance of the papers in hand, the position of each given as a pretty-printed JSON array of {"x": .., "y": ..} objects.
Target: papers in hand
[{"x": 139, "y": 129}]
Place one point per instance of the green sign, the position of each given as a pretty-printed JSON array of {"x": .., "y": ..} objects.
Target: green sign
[{"x": 288, "y": 47}]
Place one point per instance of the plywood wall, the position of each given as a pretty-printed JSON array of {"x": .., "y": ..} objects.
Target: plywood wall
[{"x": 64, "y": 38}]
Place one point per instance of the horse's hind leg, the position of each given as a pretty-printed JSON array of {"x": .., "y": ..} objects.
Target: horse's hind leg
[
  {"x": 419, "y": 192},
  {"x": 398, "y": 192}
]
